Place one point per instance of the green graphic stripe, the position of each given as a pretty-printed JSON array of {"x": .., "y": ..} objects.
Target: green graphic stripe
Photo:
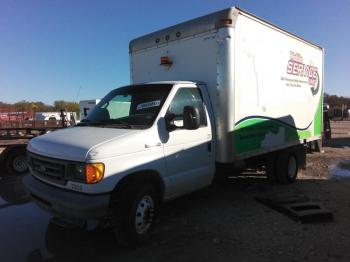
[
  {"x": 257, "y": 133},
  {"x": 260, "y": 133},
  {"x": 318, "y": 118}
]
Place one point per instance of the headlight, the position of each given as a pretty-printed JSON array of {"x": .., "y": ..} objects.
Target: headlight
[
  {"x": 89, "y": 173},
  {"x": 79, "y": 172}
]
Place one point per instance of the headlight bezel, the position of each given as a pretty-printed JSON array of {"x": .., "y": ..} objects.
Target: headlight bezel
[{"x": 86, "y": 173}]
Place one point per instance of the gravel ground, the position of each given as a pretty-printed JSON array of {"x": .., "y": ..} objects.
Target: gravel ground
[{"x": 220, "y": 223}]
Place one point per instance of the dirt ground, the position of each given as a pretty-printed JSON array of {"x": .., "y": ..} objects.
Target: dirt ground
[{"x": 220, "y": 223}]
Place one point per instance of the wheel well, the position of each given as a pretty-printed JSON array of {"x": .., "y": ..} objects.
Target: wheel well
[
  {"x": 9, "y": 149},
  {"x": 299, "y": 151},
  {"x": 139, "y": 177}
]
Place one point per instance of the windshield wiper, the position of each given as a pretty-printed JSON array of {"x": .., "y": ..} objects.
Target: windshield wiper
[
  {"x": 119, "y": 125},
  {"x": 141, "y": 115},
  {"x": 110, "y": 123},
  {"x": 87, "y": 122}
]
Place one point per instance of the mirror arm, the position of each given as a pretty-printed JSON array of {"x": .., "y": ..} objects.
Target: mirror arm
[{"x": 169, "y": 122}]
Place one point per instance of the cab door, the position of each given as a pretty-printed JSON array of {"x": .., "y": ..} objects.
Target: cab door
[{"x": 189, "y": 154}]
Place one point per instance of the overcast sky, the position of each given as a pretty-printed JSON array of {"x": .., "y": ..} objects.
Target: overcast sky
[{"x": 51, "y": 49}]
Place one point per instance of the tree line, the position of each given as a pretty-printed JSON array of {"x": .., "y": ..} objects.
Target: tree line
[
  {"x": 32, "y": 107},
  {"x": 336, "y": 101}
]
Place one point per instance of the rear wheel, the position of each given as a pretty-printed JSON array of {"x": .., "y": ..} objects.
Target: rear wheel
[
  {"x": 287, "y": 166},
  {"x": 133, "y": 213}
]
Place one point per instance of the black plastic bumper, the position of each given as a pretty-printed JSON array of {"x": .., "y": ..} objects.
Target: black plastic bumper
[{"x": 64, "y": 203}]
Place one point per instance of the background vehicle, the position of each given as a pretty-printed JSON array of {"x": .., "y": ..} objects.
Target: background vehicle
[
  {"x": 86, "y": 106},
  {"x": 14, "y": 135},
  {"x": 45, "y": 116},
  {"x": 243, "y": 92}
]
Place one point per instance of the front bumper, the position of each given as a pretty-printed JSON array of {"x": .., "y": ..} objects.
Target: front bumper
[{"x": 66, "y": 204}]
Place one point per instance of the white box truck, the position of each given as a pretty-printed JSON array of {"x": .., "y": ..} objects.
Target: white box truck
[{"x": 215, "y": 92}]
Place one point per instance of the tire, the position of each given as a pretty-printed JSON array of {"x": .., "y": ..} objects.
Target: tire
[
  {"x": 287, "y": 166},
  {"x": 133, "y": 213},
  {"x": 270, "y": 168},
  {"x": 16, "y": 161}
]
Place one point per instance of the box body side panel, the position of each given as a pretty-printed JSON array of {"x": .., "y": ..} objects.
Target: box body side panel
[{"x": 278, "y": 89}]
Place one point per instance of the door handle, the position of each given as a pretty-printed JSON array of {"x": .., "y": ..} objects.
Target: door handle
[{"x": 152, "y": 145}]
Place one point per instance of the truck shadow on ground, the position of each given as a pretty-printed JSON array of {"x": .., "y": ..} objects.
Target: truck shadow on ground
[{"x": 200, "y": 217}]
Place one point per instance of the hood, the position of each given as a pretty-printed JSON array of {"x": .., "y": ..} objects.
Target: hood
[{"x": 75, "y": 143}]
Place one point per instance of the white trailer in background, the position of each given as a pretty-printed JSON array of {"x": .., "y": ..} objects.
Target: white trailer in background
[
  {"x": 45, "y": 116},
  {"x": 41, "y": 116},
  {"x": 220, "y": 90},
  {"x": 86, "y": 106}
]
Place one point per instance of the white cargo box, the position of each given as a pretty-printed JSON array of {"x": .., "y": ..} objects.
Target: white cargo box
[{"x": 265, "y": 83}]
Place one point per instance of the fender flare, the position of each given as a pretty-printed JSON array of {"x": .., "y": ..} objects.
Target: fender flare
[{"x": 139, "y": 176}]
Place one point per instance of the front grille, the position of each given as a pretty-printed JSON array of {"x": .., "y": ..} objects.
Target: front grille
[{"x": 48, "y": 168}]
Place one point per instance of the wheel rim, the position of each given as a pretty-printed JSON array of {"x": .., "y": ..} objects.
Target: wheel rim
[
  {"x": 292, "y": 166},
  {"x": 20, "y": 164},
  {"x": 144, "y": 214}
]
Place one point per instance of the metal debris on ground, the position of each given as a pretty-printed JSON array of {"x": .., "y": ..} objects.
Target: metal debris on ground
[{"x": 299, "y": 208}]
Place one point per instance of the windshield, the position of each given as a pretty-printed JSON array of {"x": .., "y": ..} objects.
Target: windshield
[{"x": 129, "y": 107}]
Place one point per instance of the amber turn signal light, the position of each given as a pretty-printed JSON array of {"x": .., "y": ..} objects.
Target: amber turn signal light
[
  {"x": 94, "y": 172},
  {"x": 165, "y": 60}
]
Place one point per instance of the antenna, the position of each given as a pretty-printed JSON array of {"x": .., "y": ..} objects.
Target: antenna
[{"x": 78, "y": 93}]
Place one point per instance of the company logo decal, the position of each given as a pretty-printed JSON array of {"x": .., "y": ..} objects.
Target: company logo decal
[{"x": 307, "y": 74}]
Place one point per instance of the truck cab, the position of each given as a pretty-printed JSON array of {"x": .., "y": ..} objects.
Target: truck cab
[{"x": 157, "y": 134}]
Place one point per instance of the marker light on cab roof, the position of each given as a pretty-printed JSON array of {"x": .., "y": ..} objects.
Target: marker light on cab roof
[{"x": 165, "y": 60}]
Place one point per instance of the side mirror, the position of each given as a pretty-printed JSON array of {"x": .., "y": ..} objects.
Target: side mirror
[
  {"x": 169, "y": 122},
  {"x": 191, "y": 118}
]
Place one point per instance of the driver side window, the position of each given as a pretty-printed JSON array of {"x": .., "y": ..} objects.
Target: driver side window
[{"x": 187, "y": 97}]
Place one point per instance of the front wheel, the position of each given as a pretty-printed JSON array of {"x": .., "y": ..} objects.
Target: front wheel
[{"x": 133, "y": 213}]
